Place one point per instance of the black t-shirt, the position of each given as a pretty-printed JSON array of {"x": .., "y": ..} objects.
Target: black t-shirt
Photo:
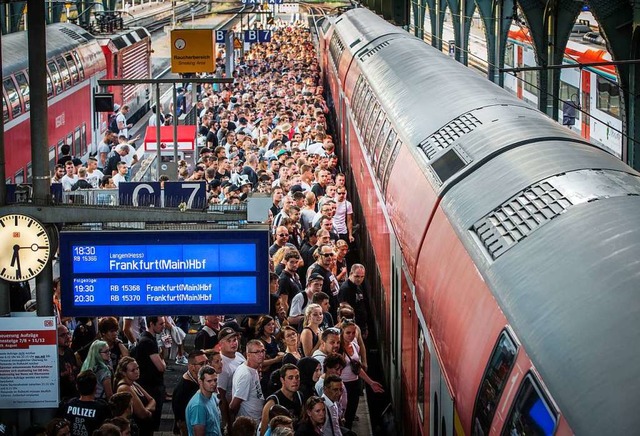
[
  {"x": 85, "y": 416},
  {"x": 204, "y": 340},
  {"x": 68, "y": 367},
  {"x": 112, "y": 164},
  {"x": 212, "y": 138},
  {"x": 289, "y": 284},
  {"x": 150, "y": 377},
  {"x": 182, "y": 394}
]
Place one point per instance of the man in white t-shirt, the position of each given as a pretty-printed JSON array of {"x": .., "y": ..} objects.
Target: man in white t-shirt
[
  {"x": 247, "y": 398},
  {"x": 70, "y": 178},
  {"x": 343, "y": 218},
  {"x": 231, "y": 360},
  {"x": 121, "y": 119}
]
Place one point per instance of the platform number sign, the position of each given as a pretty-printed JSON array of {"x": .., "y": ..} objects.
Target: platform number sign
[
  {"x": 221, "y": 36},
  {"x": 252, "y": 36}
]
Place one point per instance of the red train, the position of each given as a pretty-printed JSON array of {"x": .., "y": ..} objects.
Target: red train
[
  {"x": 502, "y": 247},
  {"x": 75, "y": 61}
]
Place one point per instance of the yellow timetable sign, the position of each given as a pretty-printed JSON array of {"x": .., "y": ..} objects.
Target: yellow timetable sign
[{"x": 193, "y": 51}]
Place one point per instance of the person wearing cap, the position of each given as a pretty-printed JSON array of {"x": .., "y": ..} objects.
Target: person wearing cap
[
  {"x": 228, "y": 339},
  {"x": 323, "y": 267},
  {"x": 301, "y": 300}
]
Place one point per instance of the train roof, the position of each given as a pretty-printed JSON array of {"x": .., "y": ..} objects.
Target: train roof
[
  {"x": 125, "y": 37},
  {"x": 61, "y": 38},
  {"x": 550, "y": 221}
]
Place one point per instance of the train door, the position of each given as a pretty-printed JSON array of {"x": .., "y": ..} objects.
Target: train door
[
  {"x": 396, "y": 319},
  {"x": 441, "y": 408},
  {"x": 408, "y": 362},
  {"x": 586, "y": 104}
]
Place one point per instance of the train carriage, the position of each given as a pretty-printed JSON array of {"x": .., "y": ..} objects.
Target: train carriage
[
  {"x": 501, "y": 245},
  {"x": 75, "y": 62}
]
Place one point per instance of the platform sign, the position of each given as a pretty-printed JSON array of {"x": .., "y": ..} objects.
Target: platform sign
[
  {"x": 29, "y": 362},
  {"x": 135, "y": 273},
  {"x": 193, "y": 51},
  {"x": 192, "y": 194},
  {"x": 221, "y": 36},
  {"x": 139, "y": 193},
  {"x": 257, "y": 35}
]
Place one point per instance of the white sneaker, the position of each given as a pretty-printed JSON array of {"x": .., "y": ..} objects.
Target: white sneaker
[{"x": 181, "y": 360}]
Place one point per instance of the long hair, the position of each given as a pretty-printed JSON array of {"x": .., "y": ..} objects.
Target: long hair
[
  {"x": 307, "y": 313},
  {"x": 94, "y": 360}
]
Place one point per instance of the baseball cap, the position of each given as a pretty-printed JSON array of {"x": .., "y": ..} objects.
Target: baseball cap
[
  {"x": 315, "y": 276},
  {"x": 227, "y": 333}
]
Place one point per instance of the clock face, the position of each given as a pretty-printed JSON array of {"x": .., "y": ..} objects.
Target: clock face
[
  {"x": 180, "y": 43},
  {"x": 24, "y": 247}
]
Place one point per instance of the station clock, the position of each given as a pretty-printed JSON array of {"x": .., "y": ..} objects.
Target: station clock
[{"x": 25, "y": 247}]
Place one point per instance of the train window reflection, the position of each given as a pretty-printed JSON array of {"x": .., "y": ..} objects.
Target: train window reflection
[
  {"x": 72, "y": 68},
  {"x": 19, "y": 178},
  {"x": 64, "y": 73},
  {"x": 569, "y": 92},
  {"x": 608, "y": 98},
  {"x": 531, "y": 414},
  {"x": 5, "y": 110},
  {"x": 531, "y": 81},
  {"x": 79, "y": 65},
  {"x": 493, "y": 383},
  {"x": 509, "y": 55},
  {"x": 12, "y": 95},
  {"x": 55, "y": 75},
  {"x": 23, "y": 85}
]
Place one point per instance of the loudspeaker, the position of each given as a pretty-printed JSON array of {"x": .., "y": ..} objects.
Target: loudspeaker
[{"x": 103, "y": 102}]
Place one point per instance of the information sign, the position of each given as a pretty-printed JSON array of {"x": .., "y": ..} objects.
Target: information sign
[
  {"x": 172, "y": 272},
  {"x": 28, "y": 363},
  {"x": 221, "y": 36},
  {"x": 192, "y": 194},
  {"x": 193, "y": 51},
  {"x": 139, "y": 193},
  {"x": 257, "y": 35}
]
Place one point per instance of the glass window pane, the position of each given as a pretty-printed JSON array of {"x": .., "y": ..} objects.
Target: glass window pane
[
  {"x": 493, "y": 382},
  {"x": 79, "y": 65},
  {"x": 531, "y": 413},
  {"x": 23, "y": 85},
  {"x": 64, "y": 72},
  {"x": 55, "y": 75},
  {"x": 72, "y": 68},
  {"x": 12, "y": 95}
]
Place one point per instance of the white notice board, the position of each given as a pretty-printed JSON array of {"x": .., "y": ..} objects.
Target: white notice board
[{"x": 28, "y": 363}]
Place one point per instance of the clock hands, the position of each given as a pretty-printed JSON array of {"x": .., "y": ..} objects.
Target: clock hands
[
  {"x": 15, "y": 260},
  {"x": 33, "y": 247}
]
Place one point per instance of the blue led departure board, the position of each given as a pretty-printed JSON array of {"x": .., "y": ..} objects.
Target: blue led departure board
[{"x": 135, "y": 273}]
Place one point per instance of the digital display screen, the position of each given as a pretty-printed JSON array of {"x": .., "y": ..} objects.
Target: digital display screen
[{"x": 140, "y": 273}]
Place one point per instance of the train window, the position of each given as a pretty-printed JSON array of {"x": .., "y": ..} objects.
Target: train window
[
  {"x": 532, "y": 413},
  {"x": 380, "y": 142},
  {"x": 568, "y": 93},
  {"x": 79, "y": 65},
  {"x": 49, "y": 86},
  {"x": 608, "y": 98},
  {"x": 77, "y": 143},
  {"x": 367, "y": 104},
  {"x": 69, "y": 141},
  {"x": 19, "y": 178},
  {"x": 55, "y": 75},
  {"x": 83, "y": 139},
  {"x": 357, "y": 94},
  {"x": 493, "y": 383},
  {"x": 509, "y": 54},
  {"x": 5, "y": 110},
  {"x": 29, "y": 173},
  {"x": 52, "y": 158},
  {"x": 384, "y": 154},
  {"x": 531, "y": 81},
  {"x": 447, "y": 165},
  {"x": 12, "y": 95},
  {"x": 23, "y": 85},
  {"x": 372, "y": 121},
  {"x": 421, "y": 373},
  {"x": 72, "y": 68},
  {"x": 64, "y": 72}
]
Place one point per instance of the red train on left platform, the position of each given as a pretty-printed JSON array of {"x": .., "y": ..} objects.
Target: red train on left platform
[{"x": 76, "y": 60}]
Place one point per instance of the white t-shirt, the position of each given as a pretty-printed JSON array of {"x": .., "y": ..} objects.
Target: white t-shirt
[
  {"x": 229, "y": 366},
  {"x": 297, "y": 304},
  {"x": 94, "y": 178},
  {"x": 118, "y": 178},
  {"x": 246, "y": 386},
  {"x": 120, "y": 118},
  {"x": 343, "y": 209},
  {"x": 68, "y": 182}
]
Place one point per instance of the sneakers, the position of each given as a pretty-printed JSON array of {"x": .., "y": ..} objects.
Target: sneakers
[{"x": 181, "y": 360}]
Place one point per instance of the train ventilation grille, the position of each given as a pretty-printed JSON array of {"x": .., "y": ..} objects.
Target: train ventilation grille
[
  {"x": 367, "y": 54},
  {"x": 73, "y": 34},
  {"x": 519, "y": 216},
  {"x": 448, "y": 134},
  {"x": 538, "y": 204}
]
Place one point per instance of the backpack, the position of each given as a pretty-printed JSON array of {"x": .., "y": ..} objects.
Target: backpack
[{"x": 113, "y": 123}]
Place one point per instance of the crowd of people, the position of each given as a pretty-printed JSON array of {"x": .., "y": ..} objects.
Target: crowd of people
[{"x": 300, "y": 368}]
